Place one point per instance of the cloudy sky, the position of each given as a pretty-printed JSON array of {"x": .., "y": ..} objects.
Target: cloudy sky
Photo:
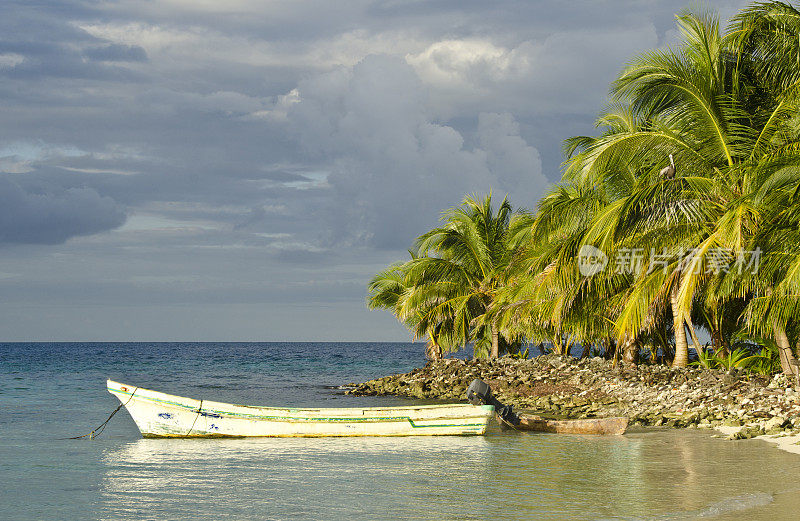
[{"x": 238, "y": 169}]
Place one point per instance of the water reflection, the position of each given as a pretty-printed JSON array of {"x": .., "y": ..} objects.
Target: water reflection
[
  {"x": 650, "y": 475},
  {"x": 189, "y": 451},
  {"x": 280, "y": 478}
]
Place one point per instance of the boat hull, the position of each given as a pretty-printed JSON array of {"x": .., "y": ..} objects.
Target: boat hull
[
  {"x": 600, "y": 426},
  {"x": 160, "y": 415}
]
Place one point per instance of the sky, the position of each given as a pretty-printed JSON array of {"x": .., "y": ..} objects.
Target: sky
[{"x": 206, "y": 170}]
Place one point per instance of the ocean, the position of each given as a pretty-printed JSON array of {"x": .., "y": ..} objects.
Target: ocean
[{"x": 53, "y": 391}]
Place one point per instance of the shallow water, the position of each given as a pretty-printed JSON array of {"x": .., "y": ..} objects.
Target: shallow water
[{"x": 51, "y": 391}]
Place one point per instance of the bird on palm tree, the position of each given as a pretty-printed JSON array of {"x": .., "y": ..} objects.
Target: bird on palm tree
[{"x": 668, "y": 172}]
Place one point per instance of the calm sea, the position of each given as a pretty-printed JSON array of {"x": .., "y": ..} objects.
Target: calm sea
[{"x": 50, "y": 391}]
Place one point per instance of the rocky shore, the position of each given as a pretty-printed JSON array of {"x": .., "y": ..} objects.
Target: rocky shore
[{"x": 744, "y": 406}]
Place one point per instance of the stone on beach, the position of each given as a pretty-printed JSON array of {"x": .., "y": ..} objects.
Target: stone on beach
[{"x": 651, "y": 395}]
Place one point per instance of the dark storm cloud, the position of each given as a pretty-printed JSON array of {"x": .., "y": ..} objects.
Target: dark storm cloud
[
  {"x": 393, "y": 167},
  {"x": 50, "y": 46},
  {"x": 304, "y": 256},
  {"x": 271, "y": 151},
  {"x": 116, "y": 53},
  {"x": 53, "y": 217}
]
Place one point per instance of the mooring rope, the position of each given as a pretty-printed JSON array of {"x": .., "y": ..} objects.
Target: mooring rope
[
  {"x": 503, "y": 421},
  {"x": 199, "y": 408},
  {"x": 100, "y": 428}
]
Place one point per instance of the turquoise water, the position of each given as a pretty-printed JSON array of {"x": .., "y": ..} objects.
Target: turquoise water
[{"x": 52, "y": 391}]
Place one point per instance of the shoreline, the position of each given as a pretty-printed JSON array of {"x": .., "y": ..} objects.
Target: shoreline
[
  {"x": 739, "y": 406},
  {"x": 787, "y": 442}
]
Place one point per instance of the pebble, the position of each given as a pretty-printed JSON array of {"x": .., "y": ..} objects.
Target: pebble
[{"x": 571, "y": 388}]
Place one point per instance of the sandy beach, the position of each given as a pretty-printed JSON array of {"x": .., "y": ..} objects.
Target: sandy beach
[{"x": 784, "y": 441}]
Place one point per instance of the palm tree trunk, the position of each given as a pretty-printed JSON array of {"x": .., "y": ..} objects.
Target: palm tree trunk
[
  {"x": 495, "y": 341},
  {"x": 681, "y": 347},
  {"x": 718, "y": 342},
  {"x": 717, "y": 339},
  {"x": 608, "y": 348},
  {"x": 784, "y": 350},
  {"x": 434, "y": 351},
  {"x": 558, "y": 340},
  {"x": 630, "y": 352},
  {"x": 697, "y": 347},
  {"x": 568, "y": 345}
]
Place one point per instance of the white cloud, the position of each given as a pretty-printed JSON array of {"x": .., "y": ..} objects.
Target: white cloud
[
  {"x": 394, "y": 167},
  {"x": 9, "y": 60},
  {"x": 182, "y": 48},
  {"x": 19, "y": 157},
  {"x": 148, "y": 222},
  {"x": 215, "y": 6},
  {"x": 278, "y": 9},
  {"x": 279, "y": 110},
  {"x": 456, "y": 62},
  {"x": 516, "y": 164},
  {"x": 226, "y": 102},
  {"x": 187, "y": 47},
  {"x": 564, "y": 72}
]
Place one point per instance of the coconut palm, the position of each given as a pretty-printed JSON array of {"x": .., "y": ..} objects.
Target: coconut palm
[
  {"x": 771, "y": 284},
  {"x": 547, "y": 299},
  {"x": 446, "y": 289},
  {"x": 696, "y": 163},
  {"x": 768, "y": 34},
  {"x": 696, "y": 104}
]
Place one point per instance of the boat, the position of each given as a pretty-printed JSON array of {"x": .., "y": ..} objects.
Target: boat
[
  {"x": 479, "y": 392},
  {"x": 160, "y": 415},
  {"x": 603, "y": 426}
]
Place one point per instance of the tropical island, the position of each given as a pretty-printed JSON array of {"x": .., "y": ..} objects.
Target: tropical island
[{"x": 679, "y": 220}]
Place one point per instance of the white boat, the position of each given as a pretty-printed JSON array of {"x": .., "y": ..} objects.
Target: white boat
[{"x": 159, "y": 415}]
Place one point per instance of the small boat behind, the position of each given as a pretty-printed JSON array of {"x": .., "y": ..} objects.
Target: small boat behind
[
  {"x": 602, "y": 426},
  {"x": 160, "y": 415},
  {"x": 479, "y": 392}
]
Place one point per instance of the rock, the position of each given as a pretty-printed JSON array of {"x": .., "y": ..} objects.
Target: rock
[
  {"x": 648, "y": 395},
  {"x": 690, "y": 418},
  {"x": 417, "y": 389},
  {"x": 776, "y": 423},
  {"x": 747, "y": 432}
]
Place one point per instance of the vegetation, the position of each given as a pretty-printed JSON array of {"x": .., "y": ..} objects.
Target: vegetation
[
  {"x": 446, "y": 290},
  {"x": 681, "y": 214}
]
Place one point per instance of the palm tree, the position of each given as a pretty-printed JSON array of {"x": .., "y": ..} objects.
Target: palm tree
[
  {"x": 446, "y": 290},
  {"x": 772, "y": 285},
  {"x": 547, "y": 299},
  {"x": 388, "y": 289},
  {"x": 698, "y": 154},
  {"x": 768, "y": 34},
  {"x": 696, "y": 103}
]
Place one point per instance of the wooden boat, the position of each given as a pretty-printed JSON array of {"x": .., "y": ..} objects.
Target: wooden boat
[
  {"x": 159, "y": 415},
  {"x": 479, "y": 392},
  {"x": 585, "y": 426}
]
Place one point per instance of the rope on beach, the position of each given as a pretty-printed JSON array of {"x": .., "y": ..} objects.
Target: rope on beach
[
  {"x": 503, "y": 421},
  {"x": 199, "y": 408},
  {"x": 100, "y": 428}
]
